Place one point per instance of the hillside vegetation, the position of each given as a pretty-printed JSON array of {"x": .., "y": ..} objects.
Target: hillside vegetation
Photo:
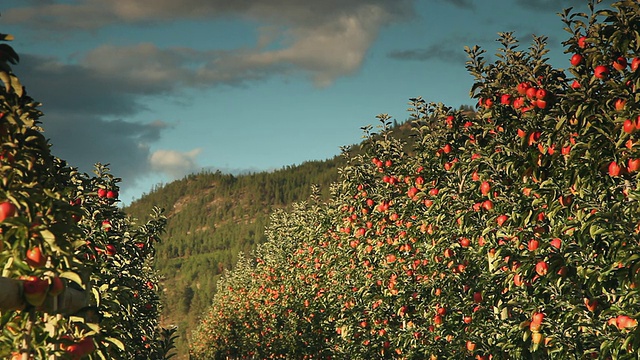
[{"x": 212, "y": 217}]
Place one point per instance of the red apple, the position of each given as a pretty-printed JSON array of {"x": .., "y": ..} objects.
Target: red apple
[
  {"x": 633, "y": 165},
  {"x": 110, "y": 250},
  {"x": 542, "y": 268},
  {"x": 591, "y": 304},
  {"x": 575, "y": 84},
  {"x": 485, "y": 188},
  {"x": 102, "y": 193},
  {"x": 505, "y": 99},
  {"x": 35, "y": 290},
  {"x": 534, "y": 137},
  {"x": 533, "y": 245},
  {"x": 620, "y": 63},
  {"x": 628, "y": 126},
  {"x": 614, "y": 169},
  {"x": 624, "y": 322},
  {"x": 56, "y": 286},
  {"x": 576, "y": 59},
  {"x": 106, "y": 225},
  {"x": 635, "y": 63},
  {"x": 556, "y": 243},
  {"x": 541, "y": 94},
  {"x": 541, "y": 103},
  {"x": 7, "y": 209},
  {"x": 601, "y": 71},
  {"x": 502, "y": 219},
  {"x": 477, "y": 297},
  {"x": 35, "y": 258},
  {"x": 112, "y": 194},
  {"x": 620, "y": 104},
  {"x": 522, "y": 88},
  {"x": 582, "y": 42},
  {"x": 531, "y": 92},
  {"x": 518, "y": 103}
]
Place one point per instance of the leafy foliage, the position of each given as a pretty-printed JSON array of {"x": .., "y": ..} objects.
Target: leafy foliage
[
  {"x": 511, "y": 233},
  {"x": 79, "y": 275}
]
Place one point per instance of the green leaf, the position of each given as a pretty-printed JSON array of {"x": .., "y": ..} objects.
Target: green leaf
[
  {"x": 119, "y": 344},
  {"x": 70, "y": 275}
]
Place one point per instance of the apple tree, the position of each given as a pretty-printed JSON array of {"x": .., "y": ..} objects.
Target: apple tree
[
  {"x": 508, "y": 232},
  {"x": 77, "y": 278}
]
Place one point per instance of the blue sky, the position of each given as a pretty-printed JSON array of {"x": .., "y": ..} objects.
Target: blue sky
[{"x": 162, "y": 88}]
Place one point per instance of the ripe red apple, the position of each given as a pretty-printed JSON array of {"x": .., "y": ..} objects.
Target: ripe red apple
[
  {"x": 449, "y": 120},
  {"x": 534, "y": 137},
  {"x": 576, "y": 59},
  {"x": 620, "y": 63},
  {"x": 35, "y": 290},
  {"x": 102, "y": 193},
  {"x": 541, "y": 94},
  {"x": 629, "y": 126},
  {"x": 601, "y": 71},
  {"x": 106, "y": 225},
  {"x": 505, "y": 99},
  {"x": 533, "y": 245},
  {"x": 591, "y": 304},
  {"x": 487, "y": 205},
  {"x": 56, "y": 286},
  {"x": 7, "y": 209},
  {"x": 522, "y": 88},
  {"x": 531, "y": 92},
  {"x": 633, "y": 165},
  {"x": 620, "y": 104},
  {"x": 112, "y": 194},
  {"x": 35, "y": 258},
  {"x": 501, "y": 219},
  {"x": 575, "y": 84},
  {"x": 625, "y": 322},
  {"x": 110, "y": 250},
  {"x": 542, "y": 268},
  {"x": 582, "y": 42},
  {"x": 477, "y": 297},
  {"x": 537, "y": 317},
  {"x": 614, "y": 169},
  {"x": 541, "y": 103},
  {"x": 518, "y": 103},
  {"x": 635, "y": 63},
  {"x": 485, "y": 188}
]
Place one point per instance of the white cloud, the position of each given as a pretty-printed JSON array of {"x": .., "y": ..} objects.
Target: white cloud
[
  {"x": 323, "y": 39},
  {"x": 173, "y": 163}
]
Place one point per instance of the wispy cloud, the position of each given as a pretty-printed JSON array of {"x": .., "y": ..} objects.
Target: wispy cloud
[
  {"x": 441, "y": 52},
  {"x": 176, "y": 164},
  {"x": 322, "y": 40}
]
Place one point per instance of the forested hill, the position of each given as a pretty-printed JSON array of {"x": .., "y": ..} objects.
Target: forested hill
[{"x": 213, "y": 216}]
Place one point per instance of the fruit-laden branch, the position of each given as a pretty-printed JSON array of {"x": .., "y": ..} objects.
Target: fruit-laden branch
[{"x": 14, "y": 297}]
